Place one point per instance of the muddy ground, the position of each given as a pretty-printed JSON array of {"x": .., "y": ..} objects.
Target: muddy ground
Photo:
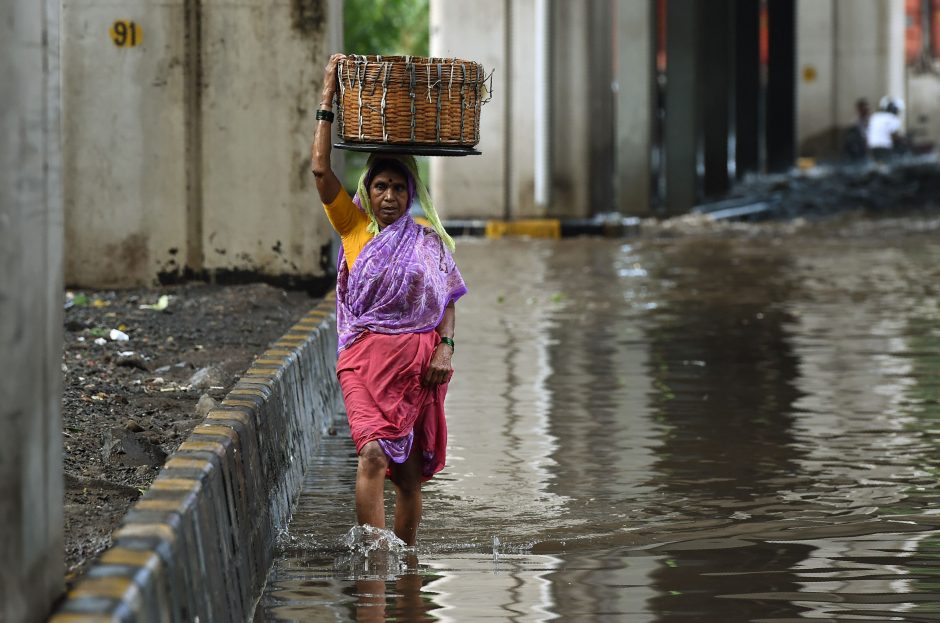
[{"x": 127, "y": 404}]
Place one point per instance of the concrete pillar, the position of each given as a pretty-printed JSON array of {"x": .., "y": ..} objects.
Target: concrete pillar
[
  {"x": 584, "y": 102},
  {"x": 475, "y": 186},
  {"x": 125, "y": 140},
  {"x": 571, "y": 170},
  {"x": 31, "y": 545},
  {"x": 634, "y": 104},
  {"x": 542, "y": 109},
  {"x": 895, "y": 40},
  {"x": 780, "y": 122},
  {"x": 862, "y": 58},
  {"x": 817, "y": 119},
  {"x": 683, "y": 128},
  {"x": 600, "y": 107},
  {"x": 747, "y": 87},
  {"x": 718, "y": 94},
  {"x": 923, "y": 113},
  {"x": 521, "y": 54}
]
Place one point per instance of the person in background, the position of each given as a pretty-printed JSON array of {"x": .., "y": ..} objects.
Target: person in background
[
  {"x": 884, "y": 130},
  {"x": 855, "y": 143}
]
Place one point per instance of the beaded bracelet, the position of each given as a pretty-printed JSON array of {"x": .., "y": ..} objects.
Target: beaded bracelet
[{"x": 449, "y": 342}]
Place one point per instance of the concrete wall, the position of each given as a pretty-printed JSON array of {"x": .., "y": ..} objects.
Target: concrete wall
[
  {"x": 198, "y": 545},
  {"x": 31, "y": 545},
  {"x": 817, "y": 113},
  {"x": 923, "y": 105},
  {"x": 474, "y": 186},
  {"x": 124, "y": 143},
  {"x": 191, "y": 150},
  {"x": 846, "y": 49},
  {"x": 263, "y": 71},
  {"x": 634, "y": 104}
]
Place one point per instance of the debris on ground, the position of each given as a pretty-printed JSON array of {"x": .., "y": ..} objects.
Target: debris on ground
[
  {"x": 130, "y": 400},
  {"x": 789, "y": 202},
  {"x": 829, "y": 189}
]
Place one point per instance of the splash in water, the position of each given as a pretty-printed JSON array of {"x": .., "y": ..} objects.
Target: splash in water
[
  {"x": 375, "y": 552},
  {"x": 366, "y": 539}
]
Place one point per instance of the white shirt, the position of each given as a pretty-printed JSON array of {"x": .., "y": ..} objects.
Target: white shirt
[{"x": 881, "y": 125}]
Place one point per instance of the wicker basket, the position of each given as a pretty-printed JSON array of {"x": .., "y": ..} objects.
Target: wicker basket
[{"x": 410, "y": 100}]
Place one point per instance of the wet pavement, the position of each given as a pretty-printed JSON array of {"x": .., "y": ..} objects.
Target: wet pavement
[{"x": 741, "y": 424}]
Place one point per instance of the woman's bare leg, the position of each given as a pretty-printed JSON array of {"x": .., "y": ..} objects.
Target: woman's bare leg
[
  {"x": 408, "y": 499},
  {"x": 370, "y": 485}
]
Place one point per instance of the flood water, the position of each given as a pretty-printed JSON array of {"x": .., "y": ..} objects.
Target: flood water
[{"x": 731, "y": 425}]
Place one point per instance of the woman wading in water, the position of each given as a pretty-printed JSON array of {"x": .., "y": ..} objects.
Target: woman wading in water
[{"x": 396, "y": 287}]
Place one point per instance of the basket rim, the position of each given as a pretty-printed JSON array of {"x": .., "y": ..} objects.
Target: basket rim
[
  {"x": 415, "y": 60},
  {"x": 408, "y": 148}
]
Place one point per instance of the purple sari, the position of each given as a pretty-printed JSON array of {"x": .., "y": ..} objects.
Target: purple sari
[{"x": 401, "y": 282}]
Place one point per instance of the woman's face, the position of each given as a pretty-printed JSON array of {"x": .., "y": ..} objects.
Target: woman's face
[{"x": 388, "y": 193}]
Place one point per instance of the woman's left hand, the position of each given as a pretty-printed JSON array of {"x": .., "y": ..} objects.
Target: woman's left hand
[{"x": 440, "y": 369}]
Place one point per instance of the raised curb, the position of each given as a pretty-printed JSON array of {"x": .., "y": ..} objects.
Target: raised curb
[
  {"x": 198, "y": 545},
  {"x": 609, "y": 226}
]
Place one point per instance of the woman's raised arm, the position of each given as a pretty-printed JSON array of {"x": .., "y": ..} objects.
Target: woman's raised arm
[{"x": 328, "y": 184}]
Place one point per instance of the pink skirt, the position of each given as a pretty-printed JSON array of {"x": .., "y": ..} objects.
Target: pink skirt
[{"x": 380, "y": 376}]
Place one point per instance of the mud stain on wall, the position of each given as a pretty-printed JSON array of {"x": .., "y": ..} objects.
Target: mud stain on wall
[
  {"x": 129, "y": 257},
  {"x": 308, "y": 16}
]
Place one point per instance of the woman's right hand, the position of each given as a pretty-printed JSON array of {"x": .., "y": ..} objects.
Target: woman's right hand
[{"x": 329, "y": 81}]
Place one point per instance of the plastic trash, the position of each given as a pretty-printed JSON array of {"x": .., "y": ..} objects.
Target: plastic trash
[
  {"x": 119, "y": 336},
  {"x": 160, "y": 305},
  {"x": 80, "y": 300}
]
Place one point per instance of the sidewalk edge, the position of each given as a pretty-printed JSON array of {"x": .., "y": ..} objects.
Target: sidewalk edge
[{"x": 198, "y": 544}]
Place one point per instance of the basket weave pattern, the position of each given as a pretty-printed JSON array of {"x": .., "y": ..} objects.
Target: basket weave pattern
[{"x": 410, "y": 100}]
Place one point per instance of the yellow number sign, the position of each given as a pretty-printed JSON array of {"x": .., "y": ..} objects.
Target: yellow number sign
[{"x": 126, "y": 33}]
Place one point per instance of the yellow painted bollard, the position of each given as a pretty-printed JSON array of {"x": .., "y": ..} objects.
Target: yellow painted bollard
[{"x": 549, "y": 228}]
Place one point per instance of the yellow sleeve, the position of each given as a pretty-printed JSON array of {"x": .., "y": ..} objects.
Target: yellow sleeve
[
  {"x": 350, "y": 223},
  {"x": 344, "y": 216}
]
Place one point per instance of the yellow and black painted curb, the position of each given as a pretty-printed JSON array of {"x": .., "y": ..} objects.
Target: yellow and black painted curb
[
  {"x": 548, "y": 228},
  {"x": 198, "y": 544}
]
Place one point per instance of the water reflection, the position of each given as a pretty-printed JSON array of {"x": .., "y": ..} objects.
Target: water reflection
[
  {"x": 599, "y": 361},
  {"x": 500, "y": 451},
  {"x": 723, "y": 373},
  {"x": 516, "y": 588},
  {"x": 407, "y": 601},
  {"x": 718, "y": 427},
  {"x": 328, "y": 595}
]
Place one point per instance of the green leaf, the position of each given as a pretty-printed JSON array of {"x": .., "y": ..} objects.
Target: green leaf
[{"x": 387, "y": 27}]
